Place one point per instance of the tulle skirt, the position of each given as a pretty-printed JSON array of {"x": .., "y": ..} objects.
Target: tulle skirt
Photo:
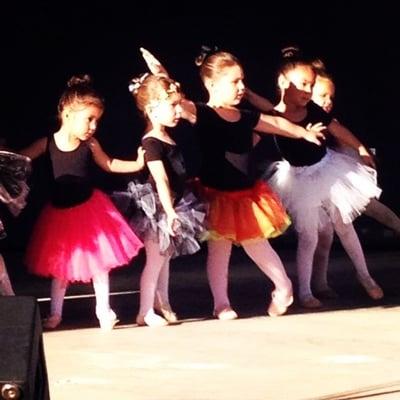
[
  {"x": 336, "y": 187},
  {"x": 14, "y": 171},
  {"x": 141, "y": 205},
  {"x": 76, "y": 243},
  {"x": 245, "y": 215}
]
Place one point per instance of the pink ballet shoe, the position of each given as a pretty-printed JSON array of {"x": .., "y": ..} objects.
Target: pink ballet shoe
[
  {"x": 226, "y": 313},
  {"x": 371, "y": 287},
  {"x": 166, "y": 311},
  {"x": 279, "y": 307},
  {"x": 310, "y": 302},
  {"x": 52, "y": 321},
  {"x": 151, "y": 319}
]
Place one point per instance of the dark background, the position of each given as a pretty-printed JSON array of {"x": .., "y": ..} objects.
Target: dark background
[{"x": 44, "y": 44}]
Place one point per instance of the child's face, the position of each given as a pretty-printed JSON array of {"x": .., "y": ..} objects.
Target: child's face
[
  {"x": 324, "y": 93},
  {"x": 167, "y": 112},
  {"x": 297, "y": 85},
  {"x": 228, "y": 88},
  {"x": 83, "y": 121}
]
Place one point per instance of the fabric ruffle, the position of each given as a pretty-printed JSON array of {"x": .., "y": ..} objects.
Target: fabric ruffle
[
  {"x": 244, "y": 215},
  {"x": 141, "y": 205},
  {"x": 76, "y": 243},
  {"x": 14, "y": 171},
  {"x": 336, "y": 187}
]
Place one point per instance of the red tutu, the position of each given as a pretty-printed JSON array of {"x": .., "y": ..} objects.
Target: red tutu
[
  {"x": 245, "y": 215},
  {"x": 75, "y": 243}
]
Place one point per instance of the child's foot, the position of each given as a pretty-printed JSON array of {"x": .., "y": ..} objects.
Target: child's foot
[
  {"x": 372, "y": 288},
  {"x": 166, "y": 311},
  {"x": 151, "y": 319},
  {"x": 310, "y": 301},
  {"x": 279, "y": 306},
  {"x": 108, "y": 321},
  {"x": 225, "y": 313},
  {"x": 52, "y": 321}
]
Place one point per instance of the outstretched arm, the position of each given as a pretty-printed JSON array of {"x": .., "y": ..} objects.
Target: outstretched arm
[
  {"x": 283, "y": 127},
  {"x": 344, "y": 136},
  {"x": 261, "y": 103},
  {"x": 156, "y": 68},
  {"x": 36, "y": 149},
  {"x": 114, "y": 164},
  {"x": 154, "y": 65}
]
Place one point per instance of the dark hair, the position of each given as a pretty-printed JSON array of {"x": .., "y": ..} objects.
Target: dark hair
[
  {"x": 292, "y": 57},
  {"x": 80, "y": 92}
]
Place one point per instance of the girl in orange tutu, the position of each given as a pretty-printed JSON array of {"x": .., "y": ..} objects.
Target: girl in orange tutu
[
  {"x": 241, "y": 210},
  {"x": 80, "y": 235}
]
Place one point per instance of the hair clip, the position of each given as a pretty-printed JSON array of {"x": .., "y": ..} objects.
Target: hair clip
[{"x": 135, "y": 83}]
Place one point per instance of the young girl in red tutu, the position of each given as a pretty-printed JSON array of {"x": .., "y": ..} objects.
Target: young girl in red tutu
[
  {"x": 241, "y": 210},
  {"x": 79, "y": 235}
]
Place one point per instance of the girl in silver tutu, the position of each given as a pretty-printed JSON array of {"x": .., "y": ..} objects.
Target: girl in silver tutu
[
  {"x": 163, "y": 211},
  {"x": 14, "y": 170}
]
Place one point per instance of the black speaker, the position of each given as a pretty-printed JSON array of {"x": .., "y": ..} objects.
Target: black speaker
[{"x": 23, "y": 372}]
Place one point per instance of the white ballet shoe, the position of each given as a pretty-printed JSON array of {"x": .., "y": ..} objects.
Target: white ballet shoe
[
  {"x": 151, "y": 319},
  {"x": 225, "y": 313}
]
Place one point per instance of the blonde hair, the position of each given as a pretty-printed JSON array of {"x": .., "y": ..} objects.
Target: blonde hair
[{"x": 148, "y": 88}]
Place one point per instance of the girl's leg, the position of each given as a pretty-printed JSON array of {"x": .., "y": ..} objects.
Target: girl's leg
[
  {"x": 321, "y": 261},
  {"x": 219, "y": 252},
  {"x": 269, "y": 262},
  {"x": 351, "y": 243},
  {"x": 104, "y": 313},
  {"x": 58, "y": 289},
  {"x": 306, "y": 245},
  {"x": 383, "y": 215},
  {"x": 148, "y": 285},
  {"x": 5, "y": 284},
  {"x": 161, "y": 301}
]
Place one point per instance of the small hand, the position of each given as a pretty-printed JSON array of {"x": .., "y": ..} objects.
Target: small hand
[
  {"x": 315, "y": 133},
  {"x": 173, "y": 223},
  {"x": 367, "y": 157},
  {"x": 155, "y": 67},
  {"x": 140, "y": 157}
]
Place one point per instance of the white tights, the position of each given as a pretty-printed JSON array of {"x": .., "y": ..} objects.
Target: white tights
[
  {"x": 313, "y": 249},
  {"x": 101, "y": 288},
  {"x": 261, "y": 253},
  {"x": 155, "y": 278}
]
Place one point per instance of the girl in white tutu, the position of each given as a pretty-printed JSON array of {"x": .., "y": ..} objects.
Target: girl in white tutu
[
  {"x": 79, "y": 235},
  {"x": 318, "y": 185}
]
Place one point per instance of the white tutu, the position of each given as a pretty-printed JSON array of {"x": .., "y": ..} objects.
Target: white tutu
[{"x": 338, "y": 186}]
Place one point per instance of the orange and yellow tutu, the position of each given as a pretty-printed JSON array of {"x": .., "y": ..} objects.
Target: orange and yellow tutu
[{"x": 243, "y": 215}]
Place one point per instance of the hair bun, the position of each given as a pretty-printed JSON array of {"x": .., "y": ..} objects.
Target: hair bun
[
  {"x": 290, "y": 52},
  {"x": 205, "y": 51},
  {"x": 80, "y": 80}
]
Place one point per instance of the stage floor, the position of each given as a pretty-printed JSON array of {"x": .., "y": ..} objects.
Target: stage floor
[{"x": 347, "y": 350}]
